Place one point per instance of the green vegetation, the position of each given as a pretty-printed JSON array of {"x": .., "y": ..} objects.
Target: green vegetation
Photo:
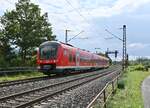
[
  {"x": 142, "y": 61},
  {"x": 21, "y": 76},
  {"x": 130, "y": 96},
  {"x": 22, "y": 30},
  {"x": 121, "y": 84},
  {"x": 138, "y": 67}
]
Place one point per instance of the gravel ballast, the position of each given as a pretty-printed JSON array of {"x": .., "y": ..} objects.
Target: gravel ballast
[
  {"x": 79, "y": 97},
  {"x": 4, "y": 91}
]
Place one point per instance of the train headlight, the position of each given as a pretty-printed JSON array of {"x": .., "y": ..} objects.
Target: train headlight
[{"x": 38, "y": 67}]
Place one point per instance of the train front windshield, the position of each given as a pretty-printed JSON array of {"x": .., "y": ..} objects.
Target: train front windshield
[{"x": 48, "y": 52}]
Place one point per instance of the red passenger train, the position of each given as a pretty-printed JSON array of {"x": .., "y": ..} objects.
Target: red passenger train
[{"x": 57, "y": 57}]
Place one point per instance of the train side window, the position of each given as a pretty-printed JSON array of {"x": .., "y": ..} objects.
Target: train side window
[
  {"x": 74, "y": 58},
  {"x": 70, "y": 57},
  {"x": 80, "y": 59},
  {"x": 65, "y": 52}
]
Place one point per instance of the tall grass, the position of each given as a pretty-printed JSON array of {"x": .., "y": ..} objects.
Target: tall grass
[
  {"x": 131, "y": 96},
  {"x": 21, "y": 76}
]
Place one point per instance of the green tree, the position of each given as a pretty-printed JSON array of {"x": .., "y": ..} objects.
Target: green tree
[
  {"x": 5, "y": 49},
  {"x": 26, "y": 27}
]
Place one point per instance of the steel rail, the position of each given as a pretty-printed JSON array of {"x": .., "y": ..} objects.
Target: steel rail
[
  {"x": 22, "y": 81},
  {"x": 63, "y": 90},
  {"x": 56, "y": 84},
  {"x": 50, "y": 86}
]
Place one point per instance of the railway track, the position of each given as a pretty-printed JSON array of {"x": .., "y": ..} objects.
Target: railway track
[
  {"x": 20, "y": 86},
  {"x": 16, "y": 70},
  {"x": 30, "y": 97},
  {"x": 16, "y": 82},
  {"x": 28, "y": 80},
  {"x": 22, "y": 81}
]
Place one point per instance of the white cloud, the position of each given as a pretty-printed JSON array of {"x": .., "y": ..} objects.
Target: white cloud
[
  {"x": 63, "y": 16},
  {"x": 118, "y": 7},
  {"x": 138, "y": 45},
  {"x": 7, "y": 4}
]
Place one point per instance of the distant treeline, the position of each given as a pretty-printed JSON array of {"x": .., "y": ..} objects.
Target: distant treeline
[{"x": 141, "y": 60}]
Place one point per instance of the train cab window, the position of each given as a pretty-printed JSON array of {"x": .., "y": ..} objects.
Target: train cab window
[{"x": 48, "y": 52}]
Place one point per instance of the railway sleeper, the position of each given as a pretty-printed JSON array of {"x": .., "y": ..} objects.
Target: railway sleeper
[{"x": 21, "y": 99}]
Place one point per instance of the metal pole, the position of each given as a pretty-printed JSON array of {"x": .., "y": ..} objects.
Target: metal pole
[
  {"x": 123, "y": 53},
  {"x": 124, "y": 48},
  {"x": 66, "y": 36},
  {"x": 104, "y": 98},
  {"x": 113, "y": 88}
]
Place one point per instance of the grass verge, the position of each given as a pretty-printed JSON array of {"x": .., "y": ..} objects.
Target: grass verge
[
  {"x": 130, "y": 96},
  {"x": 24, "y": 75}
]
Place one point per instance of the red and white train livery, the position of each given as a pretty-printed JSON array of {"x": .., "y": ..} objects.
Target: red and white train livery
[{"x": 57, "y": 57}]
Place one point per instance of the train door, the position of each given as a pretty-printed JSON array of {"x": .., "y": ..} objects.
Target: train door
[
  {"x": 64, "y": 57},
  {"x": 77, "y": 58}
]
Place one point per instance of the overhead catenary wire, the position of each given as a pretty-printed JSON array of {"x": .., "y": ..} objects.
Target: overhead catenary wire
[
  {"x": 113, "y": 34},
  {"x": 88, "y": 21},
  {"x": 104, "y": 24},
  {"x": 76, "y": 10},
  {"x": 75, "y": 36},
  {"x": 93, "y": 28}
]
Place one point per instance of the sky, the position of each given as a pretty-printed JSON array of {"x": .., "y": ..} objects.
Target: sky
[{"x": 93, "y": 17}]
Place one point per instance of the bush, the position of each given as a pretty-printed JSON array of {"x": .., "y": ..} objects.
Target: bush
[
  {"x": 31, "y": 61},
  {"x": 3, "y": 63},
  {"x": 121, "y": 84},
  {"x": 139, "y": 67},
  {"x": 16, "y": 62},
  {"x": 147, "y": 67}
]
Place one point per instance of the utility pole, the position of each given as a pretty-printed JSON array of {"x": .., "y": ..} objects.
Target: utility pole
[
  {"x": 66, "y": 35},
  {"x": 124, "y": 54},
  {"x": 124, "y": 49}
]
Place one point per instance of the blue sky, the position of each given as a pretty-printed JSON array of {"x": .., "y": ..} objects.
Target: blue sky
[{"x": 93, "y": 17}]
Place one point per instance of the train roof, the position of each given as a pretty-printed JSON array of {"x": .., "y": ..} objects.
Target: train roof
[
  {"x": 54, "y": 42},
  {"x": 49, "y": 43}
]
